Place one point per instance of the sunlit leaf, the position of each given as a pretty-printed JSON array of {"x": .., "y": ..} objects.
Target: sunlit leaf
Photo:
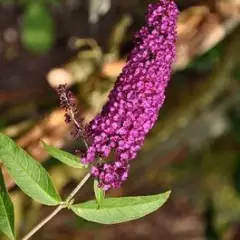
[
  {"x": 117, "y": 210},
  {"x": 28, "y": 174},
  {"x": 6, "y": 211}
]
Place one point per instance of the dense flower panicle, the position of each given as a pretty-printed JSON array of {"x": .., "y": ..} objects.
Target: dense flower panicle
[{"x": 136, "y": 98}]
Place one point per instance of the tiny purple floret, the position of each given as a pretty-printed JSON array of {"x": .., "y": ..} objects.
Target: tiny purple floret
[{"x": 134, "y": 102}]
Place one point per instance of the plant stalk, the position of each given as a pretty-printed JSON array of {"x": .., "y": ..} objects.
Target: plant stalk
[{"x": 58, "y": 209}]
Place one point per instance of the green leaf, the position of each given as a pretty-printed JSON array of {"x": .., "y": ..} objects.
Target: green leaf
[
  {"x": 6, "y": 211},
  {"x": 37, "y": 33},
  {"x": 99, "y": 193},
  {"x": 63, "y": 156},
  {"x": 117, "y": 210},
  {"x": 28, "y": 174}
]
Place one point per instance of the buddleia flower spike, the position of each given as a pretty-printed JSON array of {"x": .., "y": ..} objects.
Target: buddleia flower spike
[{"x": 135, "y": 100}]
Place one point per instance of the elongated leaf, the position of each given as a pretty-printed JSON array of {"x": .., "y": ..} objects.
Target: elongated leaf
[
  {"x": 28, "y": 174},
  {"x": 117, "y": 210},
  {"x": 64, "y": 157},
  {"x": 99, "y": 193},
  {"x": 6, "y": 211}
]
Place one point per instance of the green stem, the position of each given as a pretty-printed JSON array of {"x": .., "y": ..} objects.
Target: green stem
[{"x": 58, "y": 209}]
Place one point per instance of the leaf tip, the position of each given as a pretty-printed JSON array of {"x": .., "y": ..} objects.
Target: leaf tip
[
  {"x": 167, "y": 194},
  {"x": 163, "y": 197}
]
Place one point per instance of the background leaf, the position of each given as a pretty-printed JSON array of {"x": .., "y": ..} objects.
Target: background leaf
[
  {"x": 65, "y": 157},
  {"x": 99, "y": 193},
  {"x": 117, "y": 210},
  {"x": 6, "y": 211},
  {"x": 37, "y": 33},
  {"x": 28, "y": 174}
]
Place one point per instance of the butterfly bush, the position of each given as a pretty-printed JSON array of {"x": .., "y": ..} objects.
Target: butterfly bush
[{"x": 135, "y": 100}]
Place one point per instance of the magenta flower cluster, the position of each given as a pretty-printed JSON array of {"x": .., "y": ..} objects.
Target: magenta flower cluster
[{"x": 136, "y": 98}]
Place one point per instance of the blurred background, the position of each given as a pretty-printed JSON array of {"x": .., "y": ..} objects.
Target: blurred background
[{"x": 194, "y": 148}]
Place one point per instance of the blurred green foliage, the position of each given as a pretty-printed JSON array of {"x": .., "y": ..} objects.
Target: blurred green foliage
[
  {"x": 237, "y": 74},
  {"x": 37, "y": 33},
  {"x": 234, "y": 118},
  {"x": 2, "y": 124},
  {"x": 38, "y": 27},
  {"x": 208, "y": 60}
]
